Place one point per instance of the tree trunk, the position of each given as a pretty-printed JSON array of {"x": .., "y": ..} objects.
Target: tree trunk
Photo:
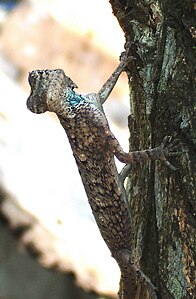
[{"x": 162, "y": 100}]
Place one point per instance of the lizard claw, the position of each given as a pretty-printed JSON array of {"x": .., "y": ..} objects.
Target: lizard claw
[
  {"x": 125, "y": 56},
  {"x": 170, "y": 147}
]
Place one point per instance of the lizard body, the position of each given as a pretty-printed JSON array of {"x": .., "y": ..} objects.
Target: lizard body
[{"x": 94, "y": 147}]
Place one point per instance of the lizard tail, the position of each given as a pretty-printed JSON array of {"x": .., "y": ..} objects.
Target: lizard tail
[
  {"x": 134, "y": 283},
  {"x": 128, "y": 283}
]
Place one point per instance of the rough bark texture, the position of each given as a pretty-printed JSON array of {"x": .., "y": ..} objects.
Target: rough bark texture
[{"x": 163, "y": 102}]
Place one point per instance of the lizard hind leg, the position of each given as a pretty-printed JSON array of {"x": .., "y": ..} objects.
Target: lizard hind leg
[
  {"x": 125, "y": 172},
  {"x": 166, "y": 149}
]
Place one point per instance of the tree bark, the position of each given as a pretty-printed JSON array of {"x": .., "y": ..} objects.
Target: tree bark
[{"x": 163, "y": 102}]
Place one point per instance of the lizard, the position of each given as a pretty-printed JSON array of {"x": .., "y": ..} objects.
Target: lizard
[{"x": 94, "y": 147}]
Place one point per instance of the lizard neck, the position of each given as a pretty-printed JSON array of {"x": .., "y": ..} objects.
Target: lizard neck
[
  {"x": 73, "y": 99},
  {"x": 72, "y": 103}
]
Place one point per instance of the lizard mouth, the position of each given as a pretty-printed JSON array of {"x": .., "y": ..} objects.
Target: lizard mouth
[{"x": 36, "y": 107}]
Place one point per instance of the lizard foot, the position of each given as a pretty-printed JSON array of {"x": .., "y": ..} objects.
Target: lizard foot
[
  {"x": 170, "y": 147},
  {"x": 125, "y": 56}
]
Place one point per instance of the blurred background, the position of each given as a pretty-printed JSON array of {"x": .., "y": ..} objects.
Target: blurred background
[{"x": 50, "y": 246}]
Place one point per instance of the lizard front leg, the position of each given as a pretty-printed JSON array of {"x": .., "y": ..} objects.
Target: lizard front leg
[{"x": 108, "y": 86}]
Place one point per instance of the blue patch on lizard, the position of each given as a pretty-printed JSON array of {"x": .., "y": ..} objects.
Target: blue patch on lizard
[{"x": 73, "y": 99}]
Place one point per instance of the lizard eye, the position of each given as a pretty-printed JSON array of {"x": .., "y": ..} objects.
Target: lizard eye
[{"x": 32, "y": 78}]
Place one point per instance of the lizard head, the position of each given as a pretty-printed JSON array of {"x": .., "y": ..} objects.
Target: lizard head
[{"x": 47, "y": 90}]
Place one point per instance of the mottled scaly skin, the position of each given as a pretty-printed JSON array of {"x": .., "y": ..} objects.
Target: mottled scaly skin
[{"x": 94, "y": 147}]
